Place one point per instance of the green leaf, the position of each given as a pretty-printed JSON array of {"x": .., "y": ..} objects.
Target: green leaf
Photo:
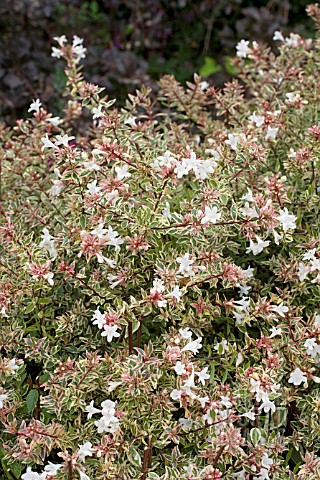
[
  {"x": 15, "y": 468},
  {"x": 134, "y": 457},
  {"x": 30, "y": 308},
  {"x": 83, "y": 221},
  {"x": 231, "y": 69},
  {"x": 255, "y": 435},
  {"x": 32, "y": 399},
  {"x": 209, "y": 67}
]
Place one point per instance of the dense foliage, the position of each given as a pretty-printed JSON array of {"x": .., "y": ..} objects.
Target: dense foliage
[{"x": 160, "y": 272}]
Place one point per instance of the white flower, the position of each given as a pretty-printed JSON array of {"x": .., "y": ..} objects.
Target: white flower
[
  {"x": 248, "y": 211},
  {"x": 214, "y": 153},
  {"x": 112, "y": 386},
  {"x": 277, "y": 36},
  {"x": 193, "y": 346},
  {"x": 112, "y": 196},
  {"x": 108, "y": 407},
  {"x": 99, "y": 231},
  {"x": 266, "y": 461},
  {"x": 49, "y": 277},
  {"x": 180, "y": 368},
  {"x": 56, "y": 52},
  {"x": 243, "y": 48},
  {"x": 98, "y": 318},
  {"x": 185, "y": 267},
  {"x": 91, "y": 165},
  {"x": 211, "y": 215},
  {"x": 263, "y": 475},
  {"x": 251, "y": 415},
  {"x": 114, "y": 281},
  {"x": 257, "y": 248},
  {"x": 287, "y": 220},
  {"x": 204, "y": 85},
  {"x": 54, "y": 121},
  {"x": 297, "y": 377},
  {"x": 30, "y": 475},
  {"x": 47, "y": 243},
  {"x": 166, "y": 160},
  {"x": 232, "y": 141},
  {"x": 239, "y": 359},
  {"x": 13, "y": 367},
  {"x": 303, "y": 271},
  {"x": 110, "y": 332},
  {"x": 52, "y": 469},
  {"x": 35, "y": 106},
  {"x": 185, "y": 333},
  {"x": 61, "y": 40},
  {"x": 131, "y": 121},
  {"x": 97, "y": 113},
  {"x": 275, "y": 331},
  {"x": 243, "y": 304},
  {"x": 78, "y": 49},
  {"x": 83, "y": 476},
  {"x": 176, "y": 293},
  {"x": 203, "y": 376},
  {"x": 158, "y": 286},
  {"x": 93, "y": 188},
  {"x": 181, "y": 169},
  {"x": 63, "y": 140},
  {"x": 47, "y": 143},
  {"x": 248, "y": 196},
  {"x": 293, "y": 97},
  {"x": 122, "y": 172},
  {"x": 203, "y": 168},
  {"x": 271, "y": 133},
  {"x": 113, "y": 238},
  {"x": 85, "y": 450},
  {"x": 225, "y": 401},
  {"x": 176, "y": 394},
  {"x": 57, "y": 188},
  {"x": 203, "y": 401},
  {"x": 292, "y": 153},
  {"x": 267, "y": 405},
  {"x": 91, "y": 410},
  {"x": 277, "y": 237},
  {"x": 280, "y": 309},
  {"x": 3, "y": 397},
  {"x": 108, "y": 422},
  {"x": 166, "y": 212},
  {"x": 292, "y": 41},
  {"x": 222, "y": 346},
  {"x": 313, "y": 349},
  {"x": 192, "y": 161},
  {"x": 244, "y": 289},
  {"x": 310, "y": 255},
  {"x": 257, "y": 119}
]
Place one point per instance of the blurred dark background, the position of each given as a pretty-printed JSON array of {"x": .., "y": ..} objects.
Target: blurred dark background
[{"x": 130, "y": 42}]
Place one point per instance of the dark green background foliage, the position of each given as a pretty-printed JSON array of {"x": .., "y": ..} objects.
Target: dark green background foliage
[{"x": 129, "y": 42}]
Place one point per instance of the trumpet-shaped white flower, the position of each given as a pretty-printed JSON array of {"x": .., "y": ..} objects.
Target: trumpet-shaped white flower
[
  {"x": 85, "y": 450},
  {"x": 185, "y": 267},
  {"x": 211, "y": 215},
  {"x": 193, "y": 346},
  {"x": 35, "y": 106},
  {"x": 243, "y": 49},
  {"x": 258, "y": 247},
  {"x": 288, "y": 220},
  {"x": 297, "y": 377}
]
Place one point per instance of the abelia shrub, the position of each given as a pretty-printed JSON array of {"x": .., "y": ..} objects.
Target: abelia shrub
[{"x": 160, "y": 273}]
